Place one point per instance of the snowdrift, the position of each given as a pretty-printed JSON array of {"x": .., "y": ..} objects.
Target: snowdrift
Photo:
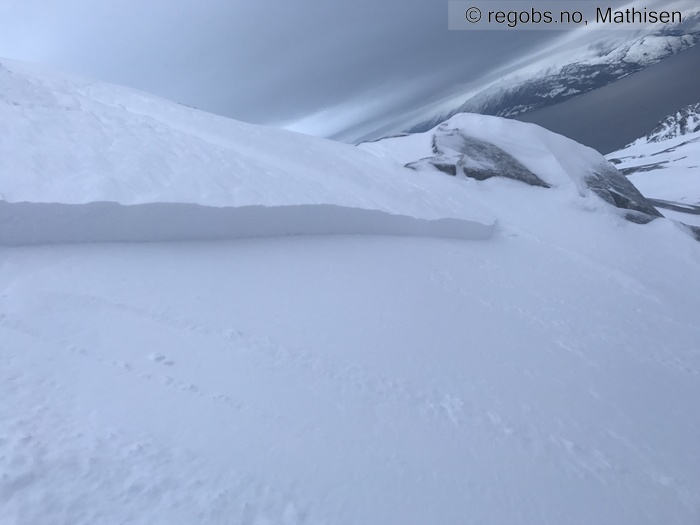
[{"x": 71, "y": 141}]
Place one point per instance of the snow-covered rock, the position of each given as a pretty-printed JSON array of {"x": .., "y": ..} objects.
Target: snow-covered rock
[
  {"x": 683, "y": 122},
  {"x": 480, "y": 147},
  {"x": 457, "y": 152}
]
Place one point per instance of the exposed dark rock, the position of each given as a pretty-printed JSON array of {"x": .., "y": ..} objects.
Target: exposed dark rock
[
  {"x": 438, "y": 162},
  {"x": 456, "y": 152},
  {"x": 641, "y": 169},
  {"x": 611, "y": 186},
  {"x": 694, "y": 230},
  {"x": 446, "y": 167},
  {"x": 682, "y": 207}
]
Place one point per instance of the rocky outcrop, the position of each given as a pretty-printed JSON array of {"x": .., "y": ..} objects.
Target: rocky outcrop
[
  {"x": 460, "y": 154},
  {"x": 682, "y": 122},
  {"x": 457, "y": 153},
  {"x": 614, "y": 188}
]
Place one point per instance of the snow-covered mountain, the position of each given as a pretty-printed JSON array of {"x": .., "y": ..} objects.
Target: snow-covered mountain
[
  {"x": 665, "y": 165},
  {"x": 452, "y": 327},
  {"x": 684, "y": 122},
  {"x": 520, "y": 93}
]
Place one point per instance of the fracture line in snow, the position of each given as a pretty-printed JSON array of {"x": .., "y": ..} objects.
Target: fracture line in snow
[{"x": 27, "y": 223}]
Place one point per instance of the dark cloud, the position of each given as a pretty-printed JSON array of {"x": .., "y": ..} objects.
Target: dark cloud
[{"x": 327, "y": 67}]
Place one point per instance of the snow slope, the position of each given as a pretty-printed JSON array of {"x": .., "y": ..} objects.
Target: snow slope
[
  {"x": 665, "y": 164},
  {"x": 72, "y": 141},
  {"x": 544, "y": 373},
  {"x": 352, "y": 380}
]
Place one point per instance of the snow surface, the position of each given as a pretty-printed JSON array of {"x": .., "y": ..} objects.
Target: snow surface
[
  {"x": 665, "y": 164},
  {"x": 73, "y": 141},
  {"x": 547, "y": 373},
  {"x": 690, "y": 218}
]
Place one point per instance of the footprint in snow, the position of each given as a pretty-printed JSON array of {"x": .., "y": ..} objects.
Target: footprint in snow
[{"x": 160, "y": 358}]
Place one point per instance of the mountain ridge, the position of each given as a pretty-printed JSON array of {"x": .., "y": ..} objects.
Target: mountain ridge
[{"x": 555, "y": 84}]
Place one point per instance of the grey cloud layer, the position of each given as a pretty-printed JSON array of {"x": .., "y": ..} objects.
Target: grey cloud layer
[{"x": 267, "y": 61}]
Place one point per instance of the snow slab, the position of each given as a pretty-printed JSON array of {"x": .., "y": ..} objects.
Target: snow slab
[{"x": 72, "y": 141}]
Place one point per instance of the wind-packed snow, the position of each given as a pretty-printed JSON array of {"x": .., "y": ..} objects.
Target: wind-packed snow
[
  {"x": 290, "y": 368},
  {"x": 353, "y": 380},
  {"x": 73, "y": 141}
]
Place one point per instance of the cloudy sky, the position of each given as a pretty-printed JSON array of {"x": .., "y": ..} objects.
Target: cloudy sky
[{"x": 334, "y": 68}]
